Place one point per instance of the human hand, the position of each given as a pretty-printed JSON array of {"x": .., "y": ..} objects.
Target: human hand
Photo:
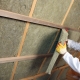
[{"x": 61, "y": 48}]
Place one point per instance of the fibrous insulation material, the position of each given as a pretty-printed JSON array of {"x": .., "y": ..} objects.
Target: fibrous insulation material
[{"x": 62, "y": 39}]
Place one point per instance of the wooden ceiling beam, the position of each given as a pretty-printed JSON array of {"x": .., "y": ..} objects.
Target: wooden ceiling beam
[
  {"x": 21, "y": 58},
  {"x": 20, "y": 17}
]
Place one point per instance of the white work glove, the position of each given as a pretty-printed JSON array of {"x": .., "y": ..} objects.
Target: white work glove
[{"x": 61, "y": 48}]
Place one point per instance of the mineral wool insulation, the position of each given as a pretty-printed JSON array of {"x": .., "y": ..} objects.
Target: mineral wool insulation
[{"x": 62, "y": 39}]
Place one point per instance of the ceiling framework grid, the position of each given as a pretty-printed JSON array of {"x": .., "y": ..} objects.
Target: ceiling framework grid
[
  {"x": 37, "y": 21},
  {"x": 23, "y": 39}
]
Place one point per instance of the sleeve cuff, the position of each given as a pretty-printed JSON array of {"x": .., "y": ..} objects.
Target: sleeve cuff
[{"x": 66, "y": 54}]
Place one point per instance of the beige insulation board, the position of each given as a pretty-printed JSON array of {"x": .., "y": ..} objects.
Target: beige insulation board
[{"x": 62, "y": 39}]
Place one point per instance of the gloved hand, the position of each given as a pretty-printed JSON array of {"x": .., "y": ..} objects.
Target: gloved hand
[{"x": 61, "y": 48}]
